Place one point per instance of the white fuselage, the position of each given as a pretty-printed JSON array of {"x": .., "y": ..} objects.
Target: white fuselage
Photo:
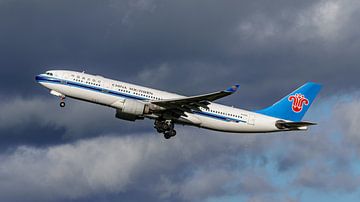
[{"x": 100, "y": 90}]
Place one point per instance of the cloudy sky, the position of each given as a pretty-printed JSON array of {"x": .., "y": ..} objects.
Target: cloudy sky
[{"x": 82, "y": 153}]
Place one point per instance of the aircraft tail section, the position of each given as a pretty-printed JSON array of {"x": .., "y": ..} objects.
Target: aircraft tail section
[{"x": 294, "y": 106}]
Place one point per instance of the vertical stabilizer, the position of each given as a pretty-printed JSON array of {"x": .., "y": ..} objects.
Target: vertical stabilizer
[{"x": 294, "y": 106}]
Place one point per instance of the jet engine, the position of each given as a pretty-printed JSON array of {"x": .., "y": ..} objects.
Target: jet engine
[{"x": 131, "y": 110}]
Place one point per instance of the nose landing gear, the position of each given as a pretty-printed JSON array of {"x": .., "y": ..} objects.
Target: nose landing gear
[
  {"x": 62, "y": 102},
  {"x": 166, "y": 127}
]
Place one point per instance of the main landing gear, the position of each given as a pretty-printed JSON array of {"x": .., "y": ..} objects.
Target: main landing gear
[{"x": 166, "y": 127}]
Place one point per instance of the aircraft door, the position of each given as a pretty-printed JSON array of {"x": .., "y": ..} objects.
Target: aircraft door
[{"x": 251, "y": 119}]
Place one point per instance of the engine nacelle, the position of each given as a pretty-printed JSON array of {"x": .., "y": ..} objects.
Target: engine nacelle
[{"x": 131, "y": 110}]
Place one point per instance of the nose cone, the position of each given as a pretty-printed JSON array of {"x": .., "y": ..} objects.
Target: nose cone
[
  {"x": 40, "y": 79},
  {"x": 37, "y": 78}
]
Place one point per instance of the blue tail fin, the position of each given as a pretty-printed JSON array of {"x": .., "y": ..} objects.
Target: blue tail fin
[{"x": 294, "y": 106}]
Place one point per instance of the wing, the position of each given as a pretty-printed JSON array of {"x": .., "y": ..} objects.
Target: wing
[{"x": 193, "y": 103}]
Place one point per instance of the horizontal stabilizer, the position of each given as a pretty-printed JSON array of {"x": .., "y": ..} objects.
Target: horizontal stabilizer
[{"x": 293, "y": 125}]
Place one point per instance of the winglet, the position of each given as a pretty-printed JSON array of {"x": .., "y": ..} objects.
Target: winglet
[{"x": 232, "y": 89}]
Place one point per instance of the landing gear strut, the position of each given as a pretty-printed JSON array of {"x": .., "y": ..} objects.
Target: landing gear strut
[{"x": 166, "y": 127}]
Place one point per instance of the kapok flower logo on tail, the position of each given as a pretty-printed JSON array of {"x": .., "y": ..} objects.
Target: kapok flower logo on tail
[{"x": 298, "y": 101}]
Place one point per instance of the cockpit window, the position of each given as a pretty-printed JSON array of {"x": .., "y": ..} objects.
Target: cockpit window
[{"x": 48, "y": 73}]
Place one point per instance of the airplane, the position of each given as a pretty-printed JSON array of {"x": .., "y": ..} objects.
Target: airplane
[{"x": 133, "y": 102}]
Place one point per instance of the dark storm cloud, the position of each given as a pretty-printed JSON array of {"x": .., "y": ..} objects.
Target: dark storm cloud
[{"x": 203, "y": 44}]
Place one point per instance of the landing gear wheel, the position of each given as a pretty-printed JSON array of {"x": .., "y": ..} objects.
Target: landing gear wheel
[
  {"x": 165, "y": 127},
  {"x": 167, "y": 135},
  {"x": 172, "y": 133},
  {"x": 62, "y": 104}
]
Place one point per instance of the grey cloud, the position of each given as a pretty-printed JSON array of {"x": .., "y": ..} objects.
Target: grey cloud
[
  {"x": 350, "y": 124},
  {"x": 328, "y": 21},
  {"x": 113, "y": 165},
  {"x": 270, "y": 198},
  {"x": 68, "y": 171},
  {"x": 196, "y": 165},
  {"x": 117, "y": 163},
  {"x": 41, "y": 120},
  {"x": 153, "y": 75},
  {"x": 256, "y": 182},
  {"x": 204, "y": 183},
  {"x": 325, "y": 178}
]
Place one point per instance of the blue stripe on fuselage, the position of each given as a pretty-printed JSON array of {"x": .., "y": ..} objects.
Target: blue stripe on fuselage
[
  {"x": 45, "y": 79},
  {"x": 224, "y": 118}
]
